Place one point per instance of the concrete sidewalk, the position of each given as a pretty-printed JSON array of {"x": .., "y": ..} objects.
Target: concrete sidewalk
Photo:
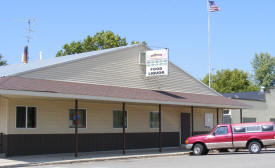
[{"x": 65, "y": 158}]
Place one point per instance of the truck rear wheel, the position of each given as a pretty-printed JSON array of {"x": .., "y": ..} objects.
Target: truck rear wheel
[
  {"x": 254, "y": 147},
  {"x": 198, "y": 149}
]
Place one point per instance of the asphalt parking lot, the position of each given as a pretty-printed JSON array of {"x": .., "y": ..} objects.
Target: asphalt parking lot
[{"x": 214, "y": 160}]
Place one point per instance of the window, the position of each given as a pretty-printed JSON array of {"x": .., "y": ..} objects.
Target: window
[
  {"x": 237, "y": 130},
  {"x": 226, "y": 116},
  {"x": 221, "y": 131},
  {"x": 154, "y": 119},
  {"x": 272, "y": 120},
  {"x": 25, "y": 117},
  {"x": 142, "y": 58},
  {"x": 226, "y": 112},
  {"x": 248, "y": 120},
  {"x": 256, "y": 128},
  {"x": 81, "y": 118},
  {"x": 117, "y": 119},
  {"x": 267, "y": 128},
  {"x": 209, "y": 120}
]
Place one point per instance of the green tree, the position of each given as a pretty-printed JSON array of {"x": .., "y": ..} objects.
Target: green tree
[
  {"x": 227, "y": 81},
  {"x": 2, "y": 62},
  {"x": 101, "y": 40},
  {"x": 137, "y": 42},
  {"x": 264, "y": 69}
]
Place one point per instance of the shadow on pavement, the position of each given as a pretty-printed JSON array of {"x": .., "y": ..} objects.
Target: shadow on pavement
[
  {"x": 242, "y": 152},
  {"x": 245, "y": 152},
  {"x": 15, "y": 161}
]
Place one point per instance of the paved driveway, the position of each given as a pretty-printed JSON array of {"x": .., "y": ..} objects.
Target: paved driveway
[{"x": 219, "y": 160}]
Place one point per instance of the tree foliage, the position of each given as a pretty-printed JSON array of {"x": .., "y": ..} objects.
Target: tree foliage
[
  {"x": 264, "y": 69},
  {"x": 101, "y": 40},
  {"x": 138, "y": 42},
  {"x": 2, "y": 62},
  {"x": 227, "y": 81}
]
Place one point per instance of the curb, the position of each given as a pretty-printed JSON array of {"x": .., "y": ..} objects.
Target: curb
[{"x": 98, "y": 159}]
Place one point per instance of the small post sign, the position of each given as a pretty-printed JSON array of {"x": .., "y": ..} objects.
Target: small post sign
[{"x": 157, "y": 62}]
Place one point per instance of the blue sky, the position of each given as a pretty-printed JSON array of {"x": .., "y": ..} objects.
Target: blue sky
[{"x": 241, "y": 29}]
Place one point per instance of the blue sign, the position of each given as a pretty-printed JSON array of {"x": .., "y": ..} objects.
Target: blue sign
[{"x": 77, "y": 117}]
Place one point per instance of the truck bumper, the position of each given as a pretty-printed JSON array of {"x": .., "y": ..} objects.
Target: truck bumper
[{"x": 188, "y": 146}]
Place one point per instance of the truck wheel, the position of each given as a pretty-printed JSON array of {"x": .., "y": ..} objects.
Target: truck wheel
[
  {"x": 254, "y": 147},
  {"x": 198, "y": 149}
]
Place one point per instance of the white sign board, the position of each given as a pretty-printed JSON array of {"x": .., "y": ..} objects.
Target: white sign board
[
  {"x": 157, "y": 62},
  {"x": 209, "y": 120}
]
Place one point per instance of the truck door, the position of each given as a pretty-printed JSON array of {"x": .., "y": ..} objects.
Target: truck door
[{"x": 220, "y": 138}]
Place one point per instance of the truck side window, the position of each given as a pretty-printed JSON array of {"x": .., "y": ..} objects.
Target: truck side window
[
  {"x": 255, "y": 128},
  {"x": 267, "y": 127},
  {"x": 221, "y": 130},
  {"x": 239, "y": 130}
]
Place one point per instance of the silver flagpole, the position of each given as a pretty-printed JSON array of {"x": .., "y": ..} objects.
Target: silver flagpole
[{"x": 209, "y": 59}]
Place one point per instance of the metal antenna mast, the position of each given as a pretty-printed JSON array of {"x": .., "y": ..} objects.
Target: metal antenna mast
[
  {"x": 29, "y": 30},
  {"x": 28, "y": 37}
]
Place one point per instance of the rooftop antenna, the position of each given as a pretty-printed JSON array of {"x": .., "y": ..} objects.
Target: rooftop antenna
[{"x": 29, "y": 30}]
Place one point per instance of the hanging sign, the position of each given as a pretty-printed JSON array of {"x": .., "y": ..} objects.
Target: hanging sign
[{"x": 157, "y": 62}]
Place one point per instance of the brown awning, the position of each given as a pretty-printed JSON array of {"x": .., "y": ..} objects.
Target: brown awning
[{"x": 50, "y": 88}]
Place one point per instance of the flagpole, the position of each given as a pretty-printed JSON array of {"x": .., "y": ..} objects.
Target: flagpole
[{"x": 209, "y": 58}]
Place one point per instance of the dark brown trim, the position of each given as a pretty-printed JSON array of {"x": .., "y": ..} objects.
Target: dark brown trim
[
  {"x": 192, "y": 124},
  {"x": 160, "y": 145},
  {"x": 31, "y": 144},
  {"x": 217, "y": 116},
  {"x": 76, "y": 130},
  {"x": 185, "y": 126},
  {"x": 1, "y": 142},
  {"x": 123, "y": 126},
  {"x": 222, "y": 117},
  {"x": 241, "y": 115}
]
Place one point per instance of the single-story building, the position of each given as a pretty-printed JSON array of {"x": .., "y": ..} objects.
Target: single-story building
[
  {"x": 262, "y": 106},
  {"x": 38, "y": 102}
]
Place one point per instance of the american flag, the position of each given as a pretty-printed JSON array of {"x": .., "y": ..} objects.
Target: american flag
[{"x": 213, "y": 7}]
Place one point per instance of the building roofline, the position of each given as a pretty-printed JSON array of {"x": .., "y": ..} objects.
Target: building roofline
[
  {"x": 115, "y": 99},
  {"x": 79, "y": 56},
  {"x": 203, "y": 84},
  {"x": 253, "y": 95}
]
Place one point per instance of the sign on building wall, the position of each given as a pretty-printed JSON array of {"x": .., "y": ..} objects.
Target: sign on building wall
[
  {"x": 157, "y": 62},
  {"x": 209, "y": 120}
]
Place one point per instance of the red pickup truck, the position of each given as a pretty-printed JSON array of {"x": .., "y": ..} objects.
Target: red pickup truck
[{"x": 253, "y": 136}]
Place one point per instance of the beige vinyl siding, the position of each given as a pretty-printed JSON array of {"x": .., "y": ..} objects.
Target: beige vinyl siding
[
  {"x": 199, "y": 118},
  {"x": 53, "y": 117},
  {"x": 259, "y": 110},
  {"x": 120, "y": 68},
  {"x": 3, "y": 115}
]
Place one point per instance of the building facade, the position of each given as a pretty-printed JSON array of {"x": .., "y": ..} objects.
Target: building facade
[
  {"x": 262, "y": 107},
  {"x": 117, "y": 106}
]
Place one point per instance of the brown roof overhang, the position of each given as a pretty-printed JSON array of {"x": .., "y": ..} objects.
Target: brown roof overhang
[{"x": 61, "y": 89}]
